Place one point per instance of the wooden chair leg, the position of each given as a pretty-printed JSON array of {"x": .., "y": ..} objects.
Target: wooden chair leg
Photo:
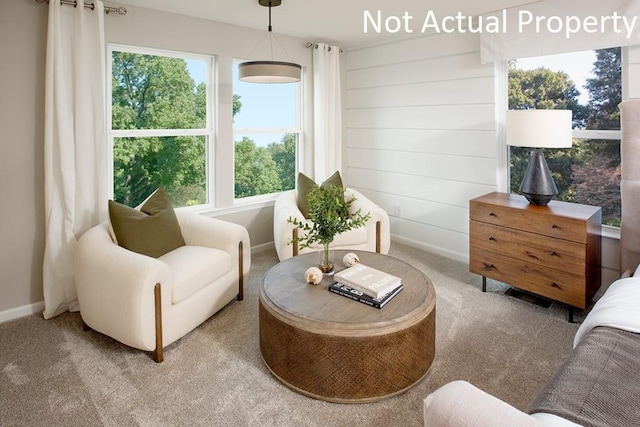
[
  {"x": 158, "y": 355},
  {"x": 295, "y": 242},
  {"x": 378, "y": 237},
  {"x": 240, "y": 296}
]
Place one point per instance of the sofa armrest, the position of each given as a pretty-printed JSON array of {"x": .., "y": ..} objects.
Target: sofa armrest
[
  {"x": 115, "y": 288},
  {"x": 459, "y": 403},
  {"x": 199, "y": 230}
]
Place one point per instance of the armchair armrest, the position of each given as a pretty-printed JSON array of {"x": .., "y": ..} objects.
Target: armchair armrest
[
  {"x": 377, "y": 215},
  {"x": 199, "y": 230},
  {"x": 459, "y": 403},
  {"x": 115, "y": 288},
  {"x": 285, "y": 207}
]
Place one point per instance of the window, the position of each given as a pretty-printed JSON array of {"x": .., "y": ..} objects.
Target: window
[
  {"x": 266, "y": 136},
  {"x": 589, "y": 84},
  {"x": 160, "y": 128}
]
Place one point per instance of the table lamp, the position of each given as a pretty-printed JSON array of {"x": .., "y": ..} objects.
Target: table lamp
[{"x": 539, "y": 129}]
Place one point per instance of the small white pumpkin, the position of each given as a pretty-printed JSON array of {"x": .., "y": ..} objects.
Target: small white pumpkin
[
  {"x": 350, "y": 259},
  {"x": 313, "y": 275}
]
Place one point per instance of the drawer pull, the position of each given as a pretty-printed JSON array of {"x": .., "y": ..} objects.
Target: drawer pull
[
  {"x": 554, "y": 285},
  {"x": 489, "y": 266},
  {"x": 492, "y": 214},
  {"x": 554, "y": 226},
  {"x": 553, "y": 253},
  {"x": 530, "y": 255},
  {"x": 493, "y": 239}
]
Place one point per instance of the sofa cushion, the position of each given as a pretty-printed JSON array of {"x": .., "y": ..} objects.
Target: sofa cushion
[
  {"x": 153, "y": 230},
  {"x": 306, "y": 184},
  {"x": 194, "y": 267}
]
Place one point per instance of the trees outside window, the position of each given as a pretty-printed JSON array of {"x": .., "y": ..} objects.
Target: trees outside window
[
  {"x": 160, "y": 129},
  {"x": 266, "y": 135},
  {"x": 589, "y": 172}
]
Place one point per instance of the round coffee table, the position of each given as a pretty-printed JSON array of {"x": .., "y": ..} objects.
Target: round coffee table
[{"x": 333, "y": 348}]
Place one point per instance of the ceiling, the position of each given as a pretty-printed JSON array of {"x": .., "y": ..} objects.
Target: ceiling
[{"x": 330, "y": 21}]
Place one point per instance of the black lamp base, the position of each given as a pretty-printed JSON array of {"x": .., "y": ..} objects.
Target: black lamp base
[{"x": 537, "y": 185}]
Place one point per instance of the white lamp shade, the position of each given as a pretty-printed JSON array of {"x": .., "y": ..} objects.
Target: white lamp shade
[
  {"x": 539, "y": 128},
  {"x": 269, "y": 72}
]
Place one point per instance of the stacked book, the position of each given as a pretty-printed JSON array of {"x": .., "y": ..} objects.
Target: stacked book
[{"x": 366, "y": 285}]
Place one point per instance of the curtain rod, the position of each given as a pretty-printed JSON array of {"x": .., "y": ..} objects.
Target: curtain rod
[
  {"x": 107, "y": 9},
  {"x": 315, "y": 46}
]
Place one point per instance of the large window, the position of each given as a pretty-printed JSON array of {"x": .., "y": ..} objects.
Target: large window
[
  {"x": 589, "y": 84},
  {"x": 266, "y": 136},
  {"x": 160, "y": 128}
]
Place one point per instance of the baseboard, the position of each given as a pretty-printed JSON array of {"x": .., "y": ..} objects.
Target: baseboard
[
  {"x": 25, "y": 310},
  {"x": 262, "y": 248},
  {"x": 430, "y": 248}
]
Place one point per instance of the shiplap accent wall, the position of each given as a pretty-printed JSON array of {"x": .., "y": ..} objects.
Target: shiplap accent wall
[{"x": 421, "y": 136}]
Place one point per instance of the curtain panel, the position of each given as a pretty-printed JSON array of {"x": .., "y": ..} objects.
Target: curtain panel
[
  {"x": 327, "y": 111},
  {"x": 74, "y": 143},
  {"x": 561, "y": 28}
]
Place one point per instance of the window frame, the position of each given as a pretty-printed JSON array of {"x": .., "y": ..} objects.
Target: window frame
[
  {"x": 298, "y": 130},
  {"x": 583, "y": 134},
  {"x": 208, "y": 132}
]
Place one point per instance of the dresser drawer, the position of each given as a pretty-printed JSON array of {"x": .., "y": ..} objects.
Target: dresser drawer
[
  {"x": 556, "y": 254},
  {"x": 532, "y": 219},
  {"x": 557, "y": 285}
]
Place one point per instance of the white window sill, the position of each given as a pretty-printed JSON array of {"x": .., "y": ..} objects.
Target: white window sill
[{"x": 240, "y": 205}]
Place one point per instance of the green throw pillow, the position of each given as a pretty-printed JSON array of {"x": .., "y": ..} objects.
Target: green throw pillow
[
  {"x": 306, "y": 184},
  {"x": 153, "y": 230}
]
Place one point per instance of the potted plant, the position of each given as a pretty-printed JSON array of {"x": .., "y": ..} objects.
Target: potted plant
[{"x": 329, "y": 216}]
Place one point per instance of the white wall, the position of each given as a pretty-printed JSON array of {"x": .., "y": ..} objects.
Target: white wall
[
  {"x": 23, "y": 26},
  {"x": 421, "y": 135}
]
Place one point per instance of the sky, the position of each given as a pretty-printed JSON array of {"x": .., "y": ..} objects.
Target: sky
[
  {"x": 263, "y": 105},
  {"x": 578, "y": 65}
]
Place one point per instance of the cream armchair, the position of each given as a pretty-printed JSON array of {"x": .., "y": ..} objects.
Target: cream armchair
[
  {"x": 148, "y": 303},
  {"x": 373, "y": 237}
]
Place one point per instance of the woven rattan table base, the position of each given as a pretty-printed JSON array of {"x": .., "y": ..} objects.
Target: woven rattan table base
[
  {"x": 335, "y": 349},
  {"x": 343, "y": 369}
]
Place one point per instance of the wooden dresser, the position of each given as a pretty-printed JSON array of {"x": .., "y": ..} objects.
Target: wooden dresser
[{"x": 552, "y": 251}]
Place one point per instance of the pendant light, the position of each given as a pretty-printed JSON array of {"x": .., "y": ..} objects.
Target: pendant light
[{"x": 269, "y": 71}]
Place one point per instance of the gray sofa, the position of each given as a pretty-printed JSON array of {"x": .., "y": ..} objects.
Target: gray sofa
[{"x": 597, "y": 385}]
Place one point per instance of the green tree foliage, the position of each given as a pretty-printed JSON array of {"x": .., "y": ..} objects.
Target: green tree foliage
[
  {"x": 264, "y": 170},
  {"x": 284, "y": 154},
  {"x": 255, "y": 170},
  {"x": 154, "y": 92},
  {"x": 605, "y": 90},
  {"x": 597, "y": 173}
]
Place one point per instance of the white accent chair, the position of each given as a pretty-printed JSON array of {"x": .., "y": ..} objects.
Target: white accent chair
[
  {"x": 373, "y": 237},
  {"x": 148, "y": 303}
]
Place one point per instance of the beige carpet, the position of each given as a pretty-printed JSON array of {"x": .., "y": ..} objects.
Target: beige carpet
[{"x": 53, "y": 373}]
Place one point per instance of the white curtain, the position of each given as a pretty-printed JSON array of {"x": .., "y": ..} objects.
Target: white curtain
[
  {"x": 327, "y": 111},
  {"x": 74, "y": 143},
  {"x": 527, "y": 40}
]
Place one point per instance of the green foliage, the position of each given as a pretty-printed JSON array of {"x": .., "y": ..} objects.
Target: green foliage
[
  {"x": 329, "y": 215},
  {"x": 255, "y": 170},
  {"x": 284, "y": 155},
  {"x": 154, "y": 92},
  {"x": 264, "y": 170},
  {"x": 543, "y": 89},
  {"x": 605, "y": 90}
]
